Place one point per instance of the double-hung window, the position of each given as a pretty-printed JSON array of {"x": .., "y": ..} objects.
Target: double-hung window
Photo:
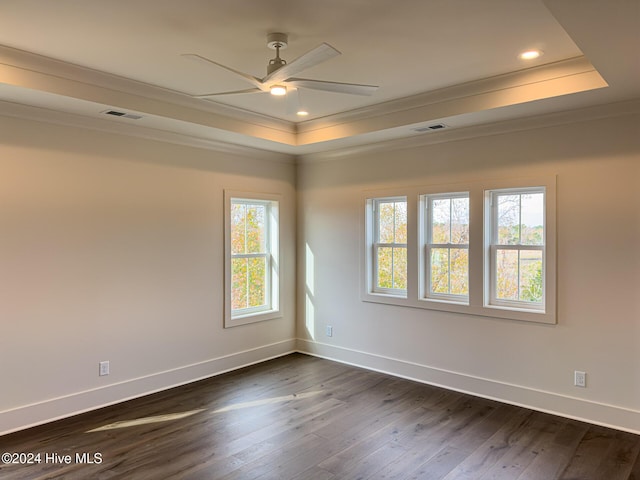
[
  {"x": 389, "y": 246},
  {"x": 517, "y": 248},
  {"x": 251, "y": 273},
  {"x": 446, "y": 221},
  {"x": 485, "y": 248}
]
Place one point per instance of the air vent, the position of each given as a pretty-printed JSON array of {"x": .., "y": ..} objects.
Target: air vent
[
  {"x": 116, "y": 113},
  {"x": 429, "y": 128}
]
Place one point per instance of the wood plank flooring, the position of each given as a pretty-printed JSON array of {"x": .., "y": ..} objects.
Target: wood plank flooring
[{"x": 304, "y": 418}]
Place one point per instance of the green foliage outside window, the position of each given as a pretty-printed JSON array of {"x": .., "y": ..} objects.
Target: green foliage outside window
[
  {"x": 449, "y": 227},
  {"x": 249, "y": 255},
  {"x": 392, "y": 259},
  {"x": 519, "y": 271}
]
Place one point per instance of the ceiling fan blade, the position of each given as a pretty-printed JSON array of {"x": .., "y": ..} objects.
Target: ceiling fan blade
[
  {"x": 337, "y": 87},
  {"x": 199, "y": 58},
  {"x": 313, "y": 57},
  {"x": 234, "y": 92}
]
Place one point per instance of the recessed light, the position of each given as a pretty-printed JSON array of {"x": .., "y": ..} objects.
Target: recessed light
[
  {"x": 302, "y": 113},
  {"x": 530, "y": 54}
]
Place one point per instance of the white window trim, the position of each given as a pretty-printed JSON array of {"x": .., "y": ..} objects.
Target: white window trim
[
  {"x": 478, "y": 250},
  {"x": 272, "y": 310},
  {"x": 368, "y": 259},
  {"x": 491, "y": 247}
]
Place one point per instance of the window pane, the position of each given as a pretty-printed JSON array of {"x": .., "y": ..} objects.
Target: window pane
[
  {"x": 460, "y": 220},
  {"x": 239, "y": 279},
  {"x": 440, "y": 270},
  {"x": 386, "y": 216},
  {"x": 508, "y": 219},
  {"x": 252, "y": 230},
  {"x": 532, "y": 221},
  {"x": 238, "y": 218},
  {"x": 255, "y": 219},
  {"x": 531, "y": 275},
  {"x": 385, "y": 267},
  {"x": 450, "y": 271},
  {"x": 400, "y": 222},
  {"x": 257, "y": 282},
  {"x": 459, "y": 275},
  {"x": 400, "y": 268},
  {"x": 507, "y": 274},
  {"x": 440, "y": 220}
]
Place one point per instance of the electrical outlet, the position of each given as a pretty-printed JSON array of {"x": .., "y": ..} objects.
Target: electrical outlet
[
  {"x": 329, "y": 331},
  {"x": 580, "y": 379},
  {"x": 104, "y": 368}
]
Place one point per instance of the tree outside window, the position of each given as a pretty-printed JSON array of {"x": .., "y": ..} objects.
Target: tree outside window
[
  {"x": 390, "y": 245},
  {"x": 517, "y": 247},
  {"x": 249, "y": 255},
  {"x": 252, "y": 278},
  {"x": 447, "y": 246}
]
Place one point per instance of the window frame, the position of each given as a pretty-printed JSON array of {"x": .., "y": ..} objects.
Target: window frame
[
  {"x": 479, "y": 259},
  {"x": 272, "y": 257},
  {"x": 427, "y": 245},
  {"x": 376, "y": 245},
  {"x": 368, "y": 257},
  {"x": 493, "y": 246}
]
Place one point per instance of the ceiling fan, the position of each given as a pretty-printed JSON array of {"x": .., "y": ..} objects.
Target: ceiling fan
[{"x": 280, "y": 74}]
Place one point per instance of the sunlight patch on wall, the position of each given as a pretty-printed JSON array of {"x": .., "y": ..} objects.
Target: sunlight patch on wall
[{"x": 309, "y": 309}]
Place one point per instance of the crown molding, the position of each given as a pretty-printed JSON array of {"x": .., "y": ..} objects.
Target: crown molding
[
  {"x": 498, "y": 82},
  {"x": 178, "y": 118},
  {"x": 545, "y": 81},
  {"x": 43, "y": 115},
  {"x": 14, "y": 110},
  {"x": 28, "y": 70},
  {"x": 588, "y": 114}
]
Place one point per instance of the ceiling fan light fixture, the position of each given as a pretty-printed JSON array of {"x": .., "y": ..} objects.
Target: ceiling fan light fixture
[{"x": 278, "y": 90}]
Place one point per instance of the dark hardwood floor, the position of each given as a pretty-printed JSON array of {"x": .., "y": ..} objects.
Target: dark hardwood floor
[{"x": 300, "y": 417}]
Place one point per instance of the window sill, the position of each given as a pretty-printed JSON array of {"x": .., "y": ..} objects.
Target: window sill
[
  {"x": 252, "y": 318},
  {"x": 524, "y": 315}
]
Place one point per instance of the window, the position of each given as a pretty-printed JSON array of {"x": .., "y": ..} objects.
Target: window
[
  {"x": 517, "y": 248},
  {"x": 251, "y": 264},
  {"x": 446, "y": 218},
  {"x": 389, "y": 246},
  {"x": 483, "y": 248}
]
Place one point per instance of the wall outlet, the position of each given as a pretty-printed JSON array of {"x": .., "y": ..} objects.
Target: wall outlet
[
  {"x": 104, "y": 368},
  {"x": 329, "y": 331},
  {"x": 580, "y": 379}
]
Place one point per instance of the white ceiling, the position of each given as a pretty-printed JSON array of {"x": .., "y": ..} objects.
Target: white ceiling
[{"x": 454, "y": 61}]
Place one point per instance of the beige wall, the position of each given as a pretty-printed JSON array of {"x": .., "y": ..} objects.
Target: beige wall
[
  {"x": 111, "y": 249},
  {"x": 597, "y": 164}
]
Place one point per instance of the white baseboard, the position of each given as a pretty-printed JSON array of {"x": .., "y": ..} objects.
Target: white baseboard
[
  {"x": 611, "y": 416},
  {"x": 50, "y": 410},
  {"x": 79, "y": 402}
]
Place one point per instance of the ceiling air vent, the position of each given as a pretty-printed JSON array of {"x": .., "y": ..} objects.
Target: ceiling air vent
[
  {"x": 116, "y": 113},
  {"x": 429, "y": 128}
]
